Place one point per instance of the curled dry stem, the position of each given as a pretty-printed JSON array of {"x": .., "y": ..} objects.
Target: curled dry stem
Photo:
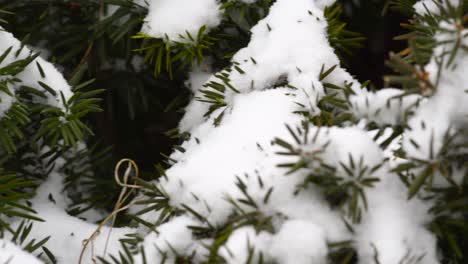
[{"x": 125, "y": 193}]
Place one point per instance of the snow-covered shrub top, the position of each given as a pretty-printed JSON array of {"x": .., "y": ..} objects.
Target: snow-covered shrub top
[
  {"x": 10, "y": 253},
  {"x": 258, "y": 180},
  {"x": 31, "y": 76},
  {"x": 173, "y": 18},
  {"x": 290, "y": 45}
]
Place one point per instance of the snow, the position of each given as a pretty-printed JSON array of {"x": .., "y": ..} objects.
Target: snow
[
  {"x": 276, "y": 75},
  {"x": 231, "y": 149},
  {"x": 236, "y": 249},
  {"x": 199, "y": 76},
  {"x": 269, "y": 56},
  {"x": 234, "y": 143},
  {"x": 31, "y": 76},
  {"x": 241, "y": 143},
  {"x": 169, "y": 238},
  {"x": 68, "y": 233},
  {"x": 144, "y": 3},
  {"x": 5, "y": 103},
  {"x": 239, "y": 147},
  {"x": 12, "y": 254},
  {"x": 446, "y": 110},
  {"x": 171, "y": 19},
  {"x": 299, "y": 242},
  {"x": 323, "y": 3},
  {"x": 422, "y": 7},
  {"x": 386, "y": 107},
  {"x": 439, "y": 115},
  {"x": 394, "y": 227}
]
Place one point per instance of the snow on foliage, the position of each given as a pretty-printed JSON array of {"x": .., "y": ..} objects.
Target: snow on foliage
[
  {"x": 66, "y": 233},
  {"x": 388, "y": 106},
  {"x": 431, "y": 6},
  {"x": 446, "y": 110},
  {"x": 32, "y": 75},
  {"x": 12, "y": 254},
  {"x": 171, "y": 19},
  {"x": 290, "y": 45},
  {"x": 232, "y": 154}
]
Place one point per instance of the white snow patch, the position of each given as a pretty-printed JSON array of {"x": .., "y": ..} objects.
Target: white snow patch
[
  {"x": 173, "y": 18},
  {"x": 12, "y": 254}
]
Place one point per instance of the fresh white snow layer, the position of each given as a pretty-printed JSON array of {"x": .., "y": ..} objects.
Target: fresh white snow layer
[
  {"x": 12, "y": 254},
  {"x": 424, "y": 7},
  {"x": 288, "y": 46},
  {"x": 171, "y": 19},
  {"x": 31, "y": 76}
]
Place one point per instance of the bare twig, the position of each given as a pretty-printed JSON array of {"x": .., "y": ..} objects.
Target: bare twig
[{"x": 123, "y": 196}]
